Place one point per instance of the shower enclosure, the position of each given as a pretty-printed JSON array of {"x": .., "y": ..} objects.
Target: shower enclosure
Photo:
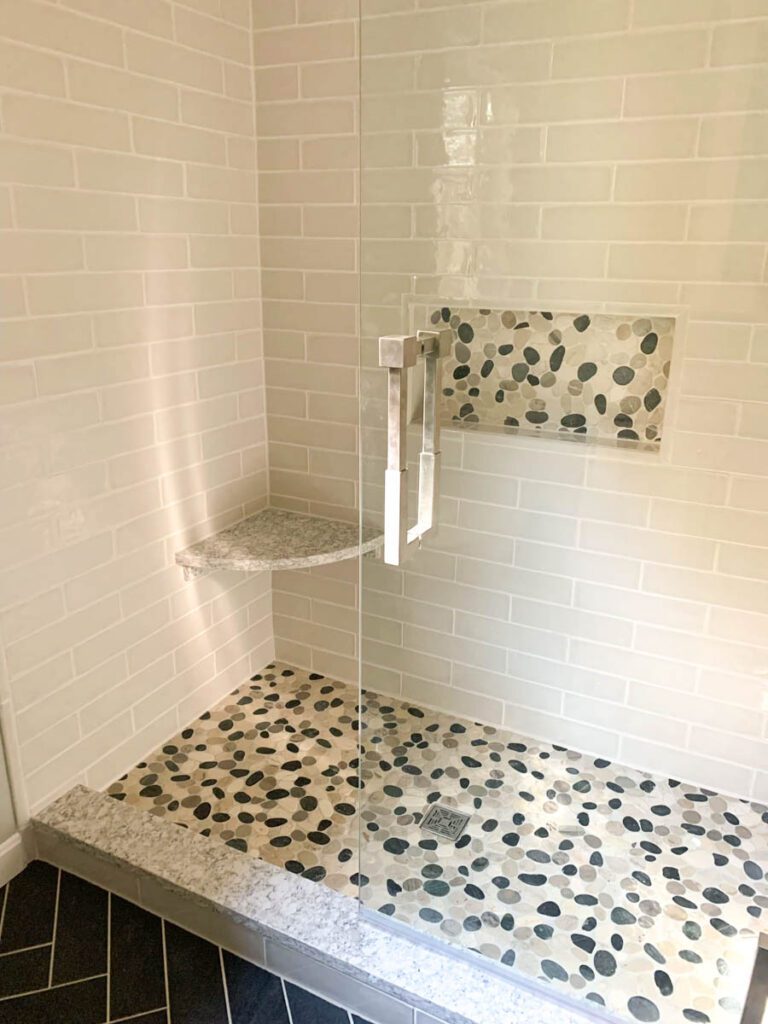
[
  {"x": 488, "y": 278},
  {"x": 560, "y": 267}
]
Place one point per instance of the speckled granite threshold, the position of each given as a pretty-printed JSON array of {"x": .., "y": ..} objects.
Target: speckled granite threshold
[
  {"x": 277, "y": 538},
  {"x": 101, "y": 838}
]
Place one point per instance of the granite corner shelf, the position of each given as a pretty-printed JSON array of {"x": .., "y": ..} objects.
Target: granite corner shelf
[{"x": 277, "y": 538}]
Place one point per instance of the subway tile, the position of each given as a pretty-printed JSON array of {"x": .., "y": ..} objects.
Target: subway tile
[
  {"x": 303, "y": 44},
  {"x": 29, "y": 70},
  {"x": 652, "y": 544},
  {"x": 615, "y": 222},
  {"x": 110, "y": 172},
  {"x": 122, "y": 90},
  {"x": 165, "y": 60},
  {"x": 537, "y": 20},
  {"x": 216, "y": 112},
  {"x": 623, "y": 141},
  {"x": 630, "y": 53},
  {"x": 54, "y": 120},
  {"x": 40, "y": 25},
  {"x": 682, "y": 764},
  {"x": 657, "y": 12},
  {"x": 689, "y": 181},
  {"x": 731, "y": 135},
  {"x": 739, "y": 42},
  {"x": 738, "y": 222},
  {"x": 482, "y": 64},
  {"x": 712, "y": 91},
  {"x": 212, "y": 36}
]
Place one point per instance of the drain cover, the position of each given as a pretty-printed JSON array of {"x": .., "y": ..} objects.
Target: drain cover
[{"x": 444, "y": 821}]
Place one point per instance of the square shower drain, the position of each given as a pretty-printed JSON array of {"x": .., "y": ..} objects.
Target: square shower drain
[{"x": 444, "y": 821}]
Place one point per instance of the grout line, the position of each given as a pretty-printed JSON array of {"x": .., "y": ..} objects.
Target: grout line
[
  {"x": 224, "y": 984},
  {"x": 165, "y": 972},
  {"x": 24, "y": 949},
  {"x": 136, "y": 1016},
  {"x": 52, "y": 988},
  {"x": 6, "y": 891},
  {"x": 109, "y": 955},
  {"x": 55, "y": 926},
  {"x": 287, "y": 1002}
]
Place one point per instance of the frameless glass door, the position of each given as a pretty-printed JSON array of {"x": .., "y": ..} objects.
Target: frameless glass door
[{"x": 564, "y": 220}]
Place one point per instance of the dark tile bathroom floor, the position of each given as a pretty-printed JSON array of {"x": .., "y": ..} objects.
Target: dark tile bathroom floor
[
  {"x": 72, "y": 953},
  {"x": 642, "y": 894}
]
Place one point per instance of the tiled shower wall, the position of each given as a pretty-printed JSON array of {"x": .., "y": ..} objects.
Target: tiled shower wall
[
  {"x": 132, "y": 417},
  {"x": 607, "y": 155},
  {"x": 306, "y": 75}
]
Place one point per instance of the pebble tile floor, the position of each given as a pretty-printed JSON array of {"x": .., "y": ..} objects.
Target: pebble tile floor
[
  {"x": 642, "y": 894},
  {"x": 72, "y": 953}
]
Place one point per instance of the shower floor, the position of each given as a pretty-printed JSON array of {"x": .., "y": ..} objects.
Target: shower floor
[{"x": 642, "y": 894}]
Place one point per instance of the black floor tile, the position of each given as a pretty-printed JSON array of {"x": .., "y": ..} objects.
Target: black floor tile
[
  {"x": 255, "y": 995},
  {"x": 85, "y": 1002},
  {"x": 195, "y": 983},
  {"x": 24, "y": 971},
  {"x": 136, "y": 960},
  {"x": 80, "y": 948},
  {"x": 307, "y": 1008},
  {"x": 30, "y": 905}
]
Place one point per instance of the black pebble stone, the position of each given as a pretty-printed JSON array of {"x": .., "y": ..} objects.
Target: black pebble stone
[
  {"x": 663, "y": 983},
  {"x": 573, "y": 419},
  {"x": 652, "y": 399},
  {"x": 621, "y": 916},
  {"x": 643, "y": 1009},
  {"x": 549, "y": 909},
  {"x": 553, "y": 970},
  {"x": 649, "y": 343},
  {"x": 556, "y": 359},
  {"x": 583, "y": 942},
  {"x": 466, "y": 333},
  {"x": 605, "y": 963},
  {"x": 714, "y": 895},
  {"x": 623, "y": 375}
]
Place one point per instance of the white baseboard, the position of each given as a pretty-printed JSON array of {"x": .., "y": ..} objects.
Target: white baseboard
[{"x": 14, "y": 857}]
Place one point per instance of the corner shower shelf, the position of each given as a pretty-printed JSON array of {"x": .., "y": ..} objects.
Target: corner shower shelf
[{"x": 277, "y": 538}]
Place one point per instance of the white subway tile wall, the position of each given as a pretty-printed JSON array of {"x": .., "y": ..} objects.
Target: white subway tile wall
[
  {"x": 307, "y": 86},
  {"x": 611, "y": 156},
  {"x": 132, "y": 391}
]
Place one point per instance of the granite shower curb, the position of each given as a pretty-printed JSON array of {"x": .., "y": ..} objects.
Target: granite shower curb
[{"x": 293, "y": 912}]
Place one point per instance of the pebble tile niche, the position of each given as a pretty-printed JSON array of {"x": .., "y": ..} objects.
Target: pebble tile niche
[
  {"x": 602, "y": 378},
  {"x": 641, "y": 894}
]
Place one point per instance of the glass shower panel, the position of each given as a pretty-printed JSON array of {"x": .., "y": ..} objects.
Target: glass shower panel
[{"x": 563, "y": 239}]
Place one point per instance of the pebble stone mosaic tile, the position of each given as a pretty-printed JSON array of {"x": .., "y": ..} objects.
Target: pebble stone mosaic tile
[
  {"x": 642, "y": 894},
  {"x": 602, "y": 377}
]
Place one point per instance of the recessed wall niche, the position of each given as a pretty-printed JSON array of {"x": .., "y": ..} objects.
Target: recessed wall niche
[{"x": 599, "y": 377}]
